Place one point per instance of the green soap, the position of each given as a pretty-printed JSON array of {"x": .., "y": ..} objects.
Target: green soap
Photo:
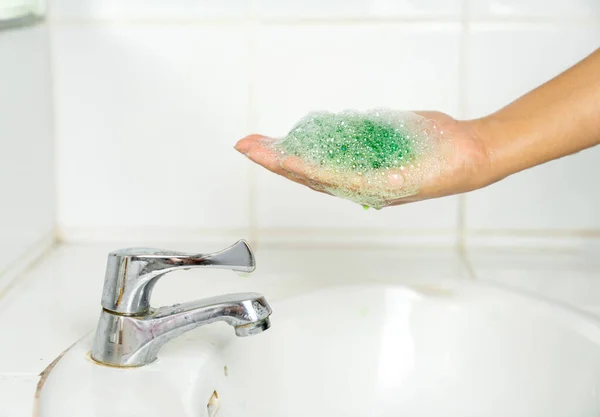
[{"x": 354, "y": 141}]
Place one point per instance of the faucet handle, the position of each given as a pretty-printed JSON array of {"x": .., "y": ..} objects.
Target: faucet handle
[{"x": 132, "y": 273}]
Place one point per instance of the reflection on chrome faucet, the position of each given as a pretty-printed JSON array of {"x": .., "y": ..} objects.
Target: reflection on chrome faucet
[{"x": 130, "y": 333}]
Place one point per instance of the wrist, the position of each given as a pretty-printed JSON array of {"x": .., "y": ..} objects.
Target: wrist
[{"x": 491, "y": 165}]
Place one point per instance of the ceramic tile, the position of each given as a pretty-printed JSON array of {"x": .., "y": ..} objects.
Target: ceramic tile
[
  {"x": 282, "y": 273},
  {"x": 585, "y": 9},
  {"x": 147, "y": 117},
  {"x": 504, "y": 63},
  {"x": 355, "y": 238},
  {"x": 26, "y": 159},
  {"x": 543, "y": 240},
  {"x": 286, "y": 205},
  {"x": 147, "y": 9},
  {"x": 358, "y": 8},
  {"x": 16, "y": 395},
  {"x": 49, "y": 310},
  {"x": 508, "y": 60},
  {"x": 570, "y": 277},
  {"x": 331, "y": 68},
  {"x": 556, "y": 196}
]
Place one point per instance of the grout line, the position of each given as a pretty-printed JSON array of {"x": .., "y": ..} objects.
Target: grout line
[
  {"x": 584, "y": 233},
  {"x": 301, "y": 245},
  {"x": 463, "y": 54},
  {"x": 251, "y": 126},
  {"x": 149, "y": 21},
  {"x": 520, "y": 249},
  {"x": 461, "y": 222},
  {"x": 343, "y": 231},
  {"x": 308, "y": 21},
  {"x": 416, "y": 21},
  {"x": 463, "y": 113},
  {"x": 531, "y": 23},
  {"x": 54, "y": 126},
  {"x": 463, "y": 254},
  {"x": 71, "y": 234},
  {"x": 107, "y": 234},
  {"x": 463, "y": 60},
  {"x": 149, "y": 233},
  {"x": 255, "y": 19},
  {"x": 32, "y": 255}
]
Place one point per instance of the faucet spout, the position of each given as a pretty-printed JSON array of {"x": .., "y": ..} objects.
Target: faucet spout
[{"x": 128, "y": 341}]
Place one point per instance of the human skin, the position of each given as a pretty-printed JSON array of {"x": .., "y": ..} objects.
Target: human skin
[{"x": 558, "y": 118}]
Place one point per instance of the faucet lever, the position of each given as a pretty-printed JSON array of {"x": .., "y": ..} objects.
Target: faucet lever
[{"x": 132, "y": 273}]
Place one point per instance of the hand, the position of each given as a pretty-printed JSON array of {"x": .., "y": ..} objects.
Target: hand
[
  {"x": 556, "y": 119},
  {"x": 465, "y": 166}
]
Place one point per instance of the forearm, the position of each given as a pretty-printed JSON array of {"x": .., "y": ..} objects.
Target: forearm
[{"x": 559, "y": 118}]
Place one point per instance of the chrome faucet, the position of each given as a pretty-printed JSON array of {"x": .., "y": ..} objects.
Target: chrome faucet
[{"x": 130, "y": 332}]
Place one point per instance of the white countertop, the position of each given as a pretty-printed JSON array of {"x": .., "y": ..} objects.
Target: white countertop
[{"x": 56, "y": 301}]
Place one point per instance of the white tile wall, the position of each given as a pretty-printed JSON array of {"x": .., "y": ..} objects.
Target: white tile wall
[
  {"x": 148, "y": 9},
  {"x": 507, "y": 60},
  {"x": 190, "y": 9},
  {"x": 50, "y": 302},
  {"x": 331, "y": 68},
  {"x": 26, "y": 159},
  {"x": 504, "y": 62},
  {"x": 358, "y": 8},
  {"x": 570, "y": 277},
  {"x": 557, "y": 9},
  {"x": 176, "y": 83},
  {"x": 147, "y": 118}
]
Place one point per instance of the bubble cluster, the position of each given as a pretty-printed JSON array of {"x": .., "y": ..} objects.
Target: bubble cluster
[{"x": 363, "y": 156}]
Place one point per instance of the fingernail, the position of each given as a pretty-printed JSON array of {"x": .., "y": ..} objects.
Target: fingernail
[{"x": 238, "y": 147}]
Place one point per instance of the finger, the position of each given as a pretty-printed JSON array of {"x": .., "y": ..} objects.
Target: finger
[
  {"x": 244, "y": 145},
  {"x": 256, "y": 149},
  {"x": 264, "y": 156}
]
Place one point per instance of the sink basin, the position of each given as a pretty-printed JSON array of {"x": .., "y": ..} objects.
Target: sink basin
[{"x": 455, "y": 348}]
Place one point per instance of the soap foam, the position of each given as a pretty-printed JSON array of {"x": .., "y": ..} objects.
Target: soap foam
[{"x": 371, "y": 157}]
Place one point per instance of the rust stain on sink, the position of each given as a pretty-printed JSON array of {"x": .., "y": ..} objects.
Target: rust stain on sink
[
  {"x": 43, "y": 377},
  {"x": 432, "y": 290},
  {"x": 213, "y": 405}
]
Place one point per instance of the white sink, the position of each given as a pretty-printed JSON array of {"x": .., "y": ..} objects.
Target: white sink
[{"x": 453, "y": 349}]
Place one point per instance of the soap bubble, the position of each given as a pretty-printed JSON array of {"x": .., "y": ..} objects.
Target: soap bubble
[{"x": 371, "y": 157}]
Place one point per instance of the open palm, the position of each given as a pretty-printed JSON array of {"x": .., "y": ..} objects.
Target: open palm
[{"x": 459, "y": 165}]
